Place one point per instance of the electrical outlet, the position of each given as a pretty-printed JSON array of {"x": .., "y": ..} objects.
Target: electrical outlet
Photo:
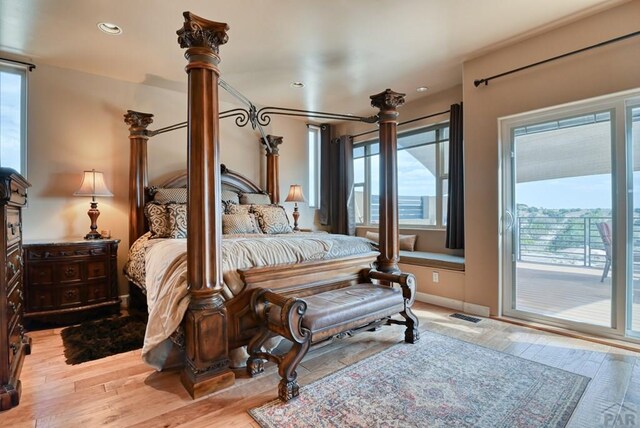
[{"x": 435, "y": 276}]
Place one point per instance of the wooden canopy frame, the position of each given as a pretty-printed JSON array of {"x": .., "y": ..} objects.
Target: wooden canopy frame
[{"x": 211, "y": 325}]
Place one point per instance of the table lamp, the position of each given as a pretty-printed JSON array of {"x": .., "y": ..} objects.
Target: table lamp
[
  {"x": 93, "y": 185},
  {"x": 295, "y": 195}
]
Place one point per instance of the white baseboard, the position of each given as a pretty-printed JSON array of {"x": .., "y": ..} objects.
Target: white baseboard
[
  {"x": 458, "y": 305},
  {"x": 445, "y": 302},
  {"x": 124, "y": 301},
  {"x": 473, "y": 309}
]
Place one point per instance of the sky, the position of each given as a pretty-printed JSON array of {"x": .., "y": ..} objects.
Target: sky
[
  {"x": 10, "y": 120},
  {"x": 587, "y": 192}
]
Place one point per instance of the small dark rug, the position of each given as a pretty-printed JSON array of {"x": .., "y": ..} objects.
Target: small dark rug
[{"x": 98, "y": 339}]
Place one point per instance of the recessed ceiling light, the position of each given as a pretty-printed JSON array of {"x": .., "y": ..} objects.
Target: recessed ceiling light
[
  {"x": 422, "y": 89},
  {"x": 297, "y": 85},
  {"x": 109, "y": 28}
]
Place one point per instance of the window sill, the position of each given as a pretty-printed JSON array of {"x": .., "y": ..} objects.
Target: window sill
[{"x": 406, "y": 227}]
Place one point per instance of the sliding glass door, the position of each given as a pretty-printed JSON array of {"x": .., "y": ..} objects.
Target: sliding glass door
[
  {"x": 570, "y": 234},
  {"x": 633, "y": 292}
]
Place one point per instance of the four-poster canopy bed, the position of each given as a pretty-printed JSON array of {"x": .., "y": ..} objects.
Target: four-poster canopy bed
[{"x": 213, "y": 325}]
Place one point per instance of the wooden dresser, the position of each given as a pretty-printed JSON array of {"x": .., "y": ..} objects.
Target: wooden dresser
[
  {"x": 68, "y": 281},
  {"x": 14, "y": 344}
]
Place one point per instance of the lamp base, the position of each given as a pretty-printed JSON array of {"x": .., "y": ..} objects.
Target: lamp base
[
  {"x": 296, "y": 216},
  {"x": 93, "y": 215},
  {"x": 93, "y": 235}
]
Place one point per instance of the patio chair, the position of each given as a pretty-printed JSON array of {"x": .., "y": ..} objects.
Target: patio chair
[{"x": 604, "y": 229}]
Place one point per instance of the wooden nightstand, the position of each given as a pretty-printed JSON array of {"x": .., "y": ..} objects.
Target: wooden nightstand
[{"x": 71, "y": 280}]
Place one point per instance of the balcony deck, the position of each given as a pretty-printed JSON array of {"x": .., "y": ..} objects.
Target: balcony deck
[{"x": 567, "y": 292}]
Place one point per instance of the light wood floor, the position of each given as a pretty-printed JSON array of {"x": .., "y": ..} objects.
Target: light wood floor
[{"x": 121, "y": 391}]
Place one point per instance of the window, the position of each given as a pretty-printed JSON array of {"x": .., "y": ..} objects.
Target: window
[
  {"x": 423, "y": 172},
  {"x": 13, "y": 113},
  {"x": 313, "y": 193}
]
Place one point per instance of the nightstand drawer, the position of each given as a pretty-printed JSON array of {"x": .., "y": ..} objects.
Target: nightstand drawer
[
  {"x": 41, "y": 299},
  {"x": 69, "y": 272},
  {"x": 41, "y": 274},
  {"x": 14, "y": 227},
  {"x": 70, "y": 296},
  {"x": 96, "y": 270},
  {"x": 97, "y": 292}
]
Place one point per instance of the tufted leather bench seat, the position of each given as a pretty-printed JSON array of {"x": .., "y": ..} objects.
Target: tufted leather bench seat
[{"x": 325, "y": 315}]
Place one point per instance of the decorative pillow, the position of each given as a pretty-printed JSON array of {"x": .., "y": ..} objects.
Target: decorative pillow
[
  {"x": 407, "y": 242},
  {"x": 230, "y": 196},
  {"x": 158, "y": 219},
  {"x": 255, "y": 198},
  {"x": 177, "y": 214},
  {"x": 166, "y": 195},
  {"x": 272, "y": 218},
  {"x": 233, "y": 208},
  {"x": 239, "y": 223}
]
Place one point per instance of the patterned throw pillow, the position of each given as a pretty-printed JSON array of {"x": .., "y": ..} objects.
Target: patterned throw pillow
[
  {"x": 166, "y": 195},
  {"x": 254, "y": 198},
  {"x": 233, "y": 208},
  {"x": 158, "y": 219},
  {"x": 239, "y": 223},
  {"x": 272, "y": 219},
  {"x": 177, "y": 220},
  {"x": 230, "y": 196}
]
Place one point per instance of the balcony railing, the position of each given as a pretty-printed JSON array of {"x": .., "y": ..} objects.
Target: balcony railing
[{"x": 566, "y": 240}]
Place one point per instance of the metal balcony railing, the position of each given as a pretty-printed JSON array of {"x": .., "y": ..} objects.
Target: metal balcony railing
[{"x": 561, "y": 240}]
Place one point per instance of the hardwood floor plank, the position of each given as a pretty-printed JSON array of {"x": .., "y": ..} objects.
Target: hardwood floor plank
[{"x": 121, "y": 391}]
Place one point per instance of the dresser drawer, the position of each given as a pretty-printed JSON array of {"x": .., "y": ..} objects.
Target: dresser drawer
[
  {"x": 15, "y": 337},
  {"x": 14, "y": 227},
  {"x": 14, "y": 307},
  {"x": 14, "y": 263}
]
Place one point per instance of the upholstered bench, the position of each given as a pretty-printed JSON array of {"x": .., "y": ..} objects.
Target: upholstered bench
[{"x": 321, "y": 316}]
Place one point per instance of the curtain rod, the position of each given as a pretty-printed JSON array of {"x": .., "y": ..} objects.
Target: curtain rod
[
  {"x": 404, "y": 123},
  {"x": 486, "y": 80},
  {"x": 29, "y": 65}
]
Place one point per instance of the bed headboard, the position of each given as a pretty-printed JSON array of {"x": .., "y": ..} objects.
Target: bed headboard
[{"x": 231, "y": 180}]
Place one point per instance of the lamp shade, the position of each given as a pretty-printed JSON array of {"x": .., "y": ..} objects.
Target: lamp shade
[
  {"x": 93, "y": 185},
  {"x": 295, "y": 194}
]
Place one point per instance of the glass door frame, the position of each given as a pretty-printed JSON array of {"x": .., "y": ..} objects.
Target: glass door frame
[{"x": 622, "y": 206}]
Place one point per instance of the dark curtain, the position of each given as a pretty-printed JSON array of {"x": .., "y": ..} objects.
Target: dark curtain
[
  {"x": 337, "y": 205},
  {"x": 324, "y": 213},
  {"x": 455, "y": 212}
]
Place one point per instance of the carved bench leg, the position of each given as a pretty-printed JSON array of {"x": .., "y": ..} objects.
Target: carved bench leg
[
  {"x": 288, "y": 386},
  {"x": 411, "y": 334},
  {"x": 255, "y": 364}
]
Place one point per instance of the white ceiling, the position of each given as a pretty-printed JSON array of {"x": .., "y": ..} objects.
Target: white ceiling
[{"x": 343, "y": 50}]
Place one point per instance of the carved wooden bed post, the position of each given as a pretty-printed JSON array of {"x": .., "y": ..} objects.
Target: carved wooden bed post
[
  {"x": 138, "y": 170},
  {"x": 273, "y": 171},
  {"x": 387, "y": 102},
  {"x": 205, "y": 323}
]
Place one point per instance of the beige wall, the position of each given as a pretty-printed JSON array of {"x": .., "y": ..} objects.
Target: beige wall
[
  {"x": 76, "y": 123},
  {"x": 603, "y": 71}
]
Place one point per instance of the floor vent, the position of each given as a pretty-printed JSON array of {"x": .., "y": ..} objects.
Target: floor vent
[{"x": 465, "y": 318}]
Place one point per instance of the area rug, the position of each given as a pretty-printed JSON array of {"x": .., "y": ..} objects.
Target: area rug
[
  {"x": 102, "y": 338},
  {"x": 438, "y": 382}
]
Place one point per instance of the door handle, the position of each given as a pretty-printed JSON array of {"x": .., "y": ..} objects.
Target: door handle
[{"x": 509, "y": 220}]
